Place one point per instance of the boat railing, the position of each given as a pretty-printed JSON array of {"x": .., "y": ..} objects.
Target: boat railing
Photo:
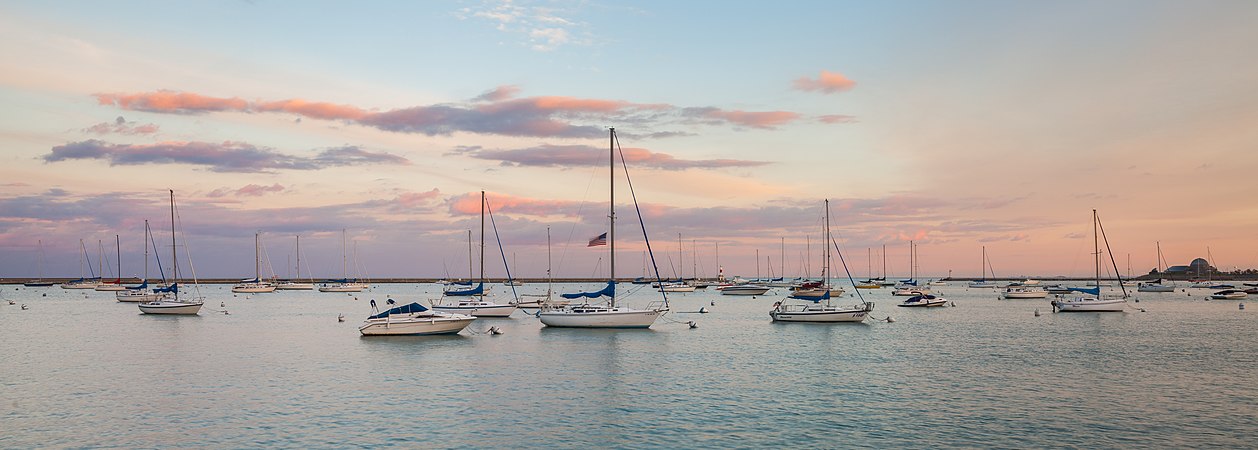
[{"x": 657, "y": 306}]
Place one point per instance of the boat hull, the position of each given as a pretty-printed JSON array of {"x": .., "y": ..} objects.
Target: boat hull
[
  {"x": 253, "y": 289},
  {"x": 478, "y": 311},
  {"x": 110, "y": 288},
  {"x": 295, "y": 287},
  {"x": 927, "y": 304},
  {"x": 78, "y": 286},
  {"x": 738, "y": 290},
  {"x": 342, "y": 288},
  {"x": 1154, "y": 288},
  {"x": 38, "y": 284},
  {"x": 130, "y": 297},
  {"x": 416, "y": 326},
  {"x": 1090, "y": 305},
  {"x": 821, "y": 315},
  {"x": 619, "y": 318},
  {"x": 170, "y": 308}
]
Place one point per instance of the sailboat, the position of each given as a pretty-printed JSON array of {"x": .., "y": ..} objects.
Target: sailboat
[
  {"x": 543, "y": 299},
  {"x": 472, "y": 301},
  {"x": 1157, "y": 285},
  {"x": 869, "y": 283},
  {"x": 818, "y": 290},
  {"x": 116, "y": 285},
  {"x": 142, "y": 293},
  {"x": 909, "y": 287},
  {"x": 679, "y": 285},
  {"x": 1094, "y": 301},
  {"x": 295, "y": 285},
  {"x": 816, "y": 311},
  {"x": 174, "y": 305},
  {"x": 345, "y": 284},
  {"x": 588, "y": 315},
  {"x": 255, "y": 285},
  {"x": 83, "y": 283},
  {"x": 513, "y": 282},
  {"x": 39, "y": 267},
  {"x": 982, "y": 283}
]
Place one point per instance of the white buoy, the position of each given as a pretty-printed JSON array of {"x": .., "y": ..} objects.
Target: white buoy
[
  {"x": 11, "y": 302},
  {"x": 222, "y": 304},
  {"x": 1037, "y": 312},
  {"x": 890, "y": 320}
]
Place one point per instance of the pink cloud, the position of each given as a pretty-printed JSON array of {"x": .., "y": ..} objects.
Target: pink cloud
[
  {"x": 250, "y": 190},
  {"x": 218, "y": 157},
  {"x": 416, "y": 199},
  {"x": 498, "y": 94},
  {"x": 827, "y": 83},
  {"x": 314, "y": 110},
  {"x": 172, "y": 102},
  {"x": 753, "y": 119},
  {"x": 469, "y": 204},
  {"x": 586, "y": 156},
  {"x": 837, "y": 118}
]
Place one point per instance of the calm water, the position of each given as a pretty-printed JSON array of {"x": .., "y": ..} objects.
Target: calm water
[{"x": 80, "y": 370}]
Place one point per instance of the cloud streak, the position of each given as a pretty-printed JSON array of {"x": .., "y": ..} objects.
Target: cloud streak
[
  {"x": 121, "y": 126},
  {"x": 217, "y": 157},
  {"x": 497, "y": 112},
  {"x": 827, "y": 83},
  {"x": 586, "y": 156}
]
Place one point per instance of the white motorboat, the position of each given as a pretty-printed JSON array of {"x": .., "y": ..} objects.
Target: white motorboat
[
  {"x": 609, "y": 316},
  {"x": 414, "y": 319},
  {"x": 1229, "y": 294},
  {"x": 1094, "y": 302},
  {"x": 909, "y": 291},
  {"x": 981, "y": 284},
  {"x": 289, "y": 285},
  {"x": 1014, "y": 292},
  {"x": 677, "y": 287},
  {"x": 743, "y": 289},
  {"x": 1154, "y": 286},
  {"x": 923, "y": 301}
]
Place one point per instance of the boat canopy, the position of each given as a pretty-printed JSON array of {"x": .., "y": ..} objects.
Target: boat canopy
[
  {"x": 478, "y": 290},
  {"x": 404, "y": 309},
  {"x": 918, "y": 298},
  {"x": 609, "y": 291},
  {"x": 1094, "y": 291},
  {"x": 174, "y": 287},
  {"x": 143, "y": 285}
]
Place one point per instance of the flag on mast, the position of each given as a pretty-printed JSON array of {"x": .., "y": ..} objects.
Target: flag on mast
[{"x": 600, "y": 240}]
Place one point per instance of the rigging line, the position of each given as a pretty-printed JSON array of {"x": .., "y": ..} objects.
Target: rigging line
[
  {"x": 187, "y": 250},
  {"x": 1111, "y": 258},
  {"x": 641, "y": 223},
  {"x": 572, "y": 230},
  {"x": 849, "y": 272},
  {"x": 514, "y": 295},
  {"x": 156, "y": 255}
]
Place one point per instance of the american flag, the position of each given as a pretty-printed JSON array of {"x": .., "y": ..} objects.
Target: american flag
[{"x": 600, "y": 240}]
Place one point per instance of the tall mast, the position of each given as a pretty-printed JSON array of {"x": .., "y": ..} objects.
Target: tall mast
[
  {"x": 984, "y": 263},
  {"x": 757, "y": 265},
  {"x": 471, "y": 271},
  {"x": 783, "y": 262},
  {"x": 146, "y": 250},
  {"x": 550, "y": 278},
  {"x": 884, "y": 262},
  {"x": 611, "y": 207},
  {"x": 118, "y": 249},
  {"x": 1096, "y": 255},
  {"x": 100, "y": 259},
  {"x": 825, "y": 267},
  {"x": 482, "y": 236},
  {"x": 681, "y": 259},
  {"x": 257, "y": 264},
  {"x": 174, "y": 254},
  {"x": 298, "y": 255},
  {"x": 694, "y": 259},
  {"x": 344, "y": 271}
]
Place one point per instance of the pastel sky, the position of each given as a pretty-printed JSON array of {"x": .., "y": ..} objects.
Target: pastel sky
[{"x": 957, "y": 124}]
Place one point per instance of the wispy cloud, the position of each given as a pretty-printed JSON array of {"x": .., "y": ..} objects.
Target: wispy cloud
[
  {"x": 497, "y": 112},
  {"x": 469, "y": 204},
  {"x": 217, "y": 157},
  {"x": 585, "y": 156},
  {"x": 836, "y": 118},
  {"x": 249, "y": 190},
  {"x": 827, "y": 83},
  {"x": 120, "y": 125},
  {"x": 539, "y": 28}
]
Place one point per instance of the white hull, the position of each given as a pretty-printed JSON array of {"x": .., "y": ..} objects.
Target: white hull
[
  {"x": 1088, "y": 304},
  {"x": 295, "y": 286},
  {"x": 78, "y": 286},
  {"x": 1234, "y": 296},
  {"x": 1018, "y": 295},
  {"x": 253, "y": 289},
  {"x": 1155, "y": 288},
  {"x": 744, "y": 290},
  {"x": 613, "y": 318},
  {"x": 925, "y": 304},
  {"x": 342, "y": 288},
  {"x": 416, "y": 325},
  {"x": 140, "y": 297},
  {"x": 910, "y": 292},
  {"x": 110, "y": 287},
  {"x": 490, "y": 310},
  {"x": 820, "y": 314},
  {"x": 683, "y": 288},
  {"x": 168, "y": 307}
]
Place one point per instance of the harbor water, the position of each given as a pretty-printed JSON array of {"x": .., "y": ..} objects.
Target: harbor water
[{"x": 279, "y": 370}]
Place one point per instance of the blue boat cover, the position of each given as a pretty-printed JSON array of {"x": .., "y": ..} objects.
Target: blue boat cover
[
  {"x": 404, "y": 309},
  {"x": 812, "y": 298},
  {"x": 609, "y": 291},
  {"x": 462, "y": 283},
  {"x": 174, "y": 287},
  {"x": 143, "y": 285},
  {"x": 342, "y": 280},
  {"x": 910, "y": 282},
  {"x": 1094, "y": 291},
  {"x": 478, "y": 290}
]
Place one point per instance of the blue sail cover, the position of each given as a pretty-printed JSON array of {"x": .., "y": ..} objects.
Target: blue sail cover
[
  {"x": 143, "y": 285},
  {"x": 462, "y": 283},
  {"x": 405, "y": 309},
  {"x": 1094, "y": 291},
  {"x": 343, "y": 280},
  {"x": 910, "y": 282},
  {"x": 174, "y": 287},
  {"x": 609, "y": 291},
  {"x": 478, "y": 290},
  {"x": 813, "y": 298}
]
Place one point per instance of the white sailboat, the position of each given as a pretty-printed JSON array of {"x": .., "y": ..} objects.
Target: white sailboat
[
  {"x": 256, "y": 285},
  {"x": 547, "y": 298},
  {"x": 1094, "y": 302},
  {"x": 116, "y": 285},
  {"x": 1158, "y": 285},
  {"x": 909, "y": 287},
  {"x": 472, "y": 301},
  {"x": 982, "y": 283},
  {"x": 142, "y": 293},
  {"x": 39, "y": 267},
  {"x": 296, "y": 285},
  {"x": 815, "y": 310},
  {"x": 174, "y": 305},
  {"x": 588, "y": 315},
  {"x": 83, "y": 283},
  {"x": 345, "y": 284}
]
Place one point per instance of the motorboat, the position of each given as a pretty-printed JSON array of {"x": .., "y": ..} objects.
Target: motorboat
[
  {"x": 1229, "y": 294},
  {"x": 909, "y": 291},
  {"x": 1154, "y": 286},
  {"x": 744, "y": 289},
  {"x": 923, "y": 301},
  {"x": 1014, "y": 292},
  {"x": 414, "y": 319},
  {"x": 476, "y": 308}
]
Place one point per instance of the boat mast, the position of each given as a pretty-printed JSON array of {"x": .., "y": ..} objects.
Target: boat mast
[
  {"x": 257, "y": 264},
  {"x": 174, "y": 253},
  {"x": 984, "y": 263},
  {"x": 118, "y": 249},
  {"x": 611, "y": 209},
  {"x": 681, "y": 259},
  {"x": 550, "y": 277},
  {"x": 471, "y": 271},
  {"x": 884, "y": 262},
  {"x": 482, "y": 237},
  {"x": 1096, "y": 255},
  {"x": 694, "y": 259},
  {"x": 344, "y": 271},
  {"x": 783, "y": 262},
  {"x": 146, "y": 250},
  {"x": 825, "y": 266}
]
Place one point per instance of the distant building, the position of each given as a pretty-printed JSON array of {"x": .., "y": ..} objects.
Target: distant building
[{"x": 1199, "y": 265}]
